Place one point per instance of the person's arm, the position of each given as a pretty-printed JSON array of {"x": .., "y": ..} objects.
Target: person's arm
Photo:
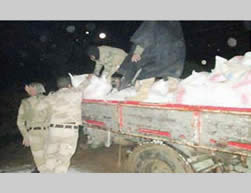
[
  {"x": 137, "y": 53},
  {"x": 108, "y": 74},
  {"x": 96, "y": 71},
  {"x": 98, "y": 68},
  {"x": 48, "y": 111},
  {"x": 21, "y": 124},
  {"x": 107, "y": 62}
]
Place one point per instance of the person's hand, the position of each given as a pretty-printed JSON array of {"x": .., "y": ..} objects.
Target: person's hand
[
  {"x": 136, "y": 58},
  {"x": 26, "y": 142}
]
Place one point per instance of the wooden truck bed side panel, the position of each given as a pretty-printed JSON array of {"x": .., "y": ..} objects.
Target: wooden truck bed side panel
[
  {"x": 211, "y": 127},
  {"x": 222, "y": 128},
  {"x": 170, "y": 123},
  {"x": 103, "y": 115}
]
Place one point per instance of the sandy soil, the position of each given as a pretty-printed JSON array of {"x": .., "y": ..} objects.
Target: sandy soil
[{"x": 17, "y": 159}]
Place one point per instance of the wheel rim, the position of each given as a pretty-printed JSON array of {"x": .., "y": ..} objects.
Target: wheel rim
[
  {"x": 157, "y": 159},
  {"x": 156, "y": 166}
]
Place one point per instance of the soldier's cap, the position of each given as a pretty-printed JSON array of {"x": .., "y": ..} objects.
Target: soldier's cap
[{"x": 38, "y": 86}]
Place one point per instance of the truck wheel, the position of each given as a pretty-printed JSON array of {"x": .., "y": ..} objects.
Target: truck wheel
[{"x": 152, "y": 158}]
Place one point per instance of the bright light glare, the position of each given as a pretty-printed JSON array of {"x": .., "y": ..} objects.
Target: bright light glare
[
  {"x": 203, "y": 62},
  {"x": 87, "y": 32},
  {"x": 102, "y": 35}
]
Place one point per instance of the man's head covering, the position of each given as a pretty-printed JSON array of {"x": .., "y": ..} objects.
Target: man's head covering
[
  {"x": 63, "y": 82},
  {"x": 38, "y": 86},
  {"x": 93, "y": 51}
]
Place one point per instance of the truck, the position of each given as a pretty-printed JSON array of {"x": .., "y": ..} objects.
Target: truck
[{"x": 172, "y": 138}]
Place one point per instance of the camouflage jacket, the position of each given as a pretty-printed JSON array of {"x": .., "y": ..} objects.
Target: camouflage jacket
[
  {"x": 33, "y": 112},
  {"x": 65, "y": 106},
  {"x": 111, "y": 58}
]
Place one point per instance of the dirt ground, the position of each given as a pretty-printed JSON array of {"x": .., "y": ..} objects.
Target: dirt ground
[{"x": 17, "y": 159}]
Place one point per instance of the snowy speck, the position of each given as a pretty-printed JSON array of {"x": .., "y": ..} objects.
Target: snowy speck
[
  {"x": 232, "y": 42},
  {"x": 70, "y": 28}
]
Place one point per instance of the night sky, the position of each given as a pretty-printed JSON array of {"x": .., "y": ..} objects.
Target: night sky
[{"x": 44, "y": 50}]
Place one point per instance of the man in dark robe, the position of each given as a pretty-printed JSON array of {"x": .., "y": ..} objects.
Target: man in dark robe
[{"x": 158, "y": 51}]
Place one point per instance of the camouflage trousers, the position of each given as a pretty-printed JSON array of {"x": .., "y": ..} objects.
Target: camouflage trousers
[
  {"x": 37, "y": 140},
  {"x": 61, "y": 145}
]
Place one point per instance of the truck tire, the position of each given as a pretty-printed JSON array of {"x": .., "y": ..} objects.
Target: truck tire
[{"x": 152, "y": 158}]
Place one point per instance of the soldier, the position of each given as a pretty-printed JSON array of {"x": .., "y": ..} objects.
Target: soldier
[
  {"x": 33, "y": 121},
  {"x": 109, "y": 57},
  {"x": 64, "y": 126}
]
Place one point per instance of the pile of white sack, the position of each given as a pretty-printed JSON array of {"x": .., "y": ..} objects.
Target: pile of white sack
[
  {"x": 100, "y": 88},
  {"x": 227, "y": 85}
]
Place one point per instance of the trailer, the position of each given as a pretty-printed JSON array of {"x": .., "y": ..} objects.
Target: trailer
[{"x": 172, "y": 138}]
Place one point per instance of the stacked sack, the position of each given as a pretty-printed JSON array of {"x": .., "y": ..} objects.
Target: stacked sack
[
  {"x": 93, "y": 88},
  {"x": 97, "y": 88},
  {"x": 159, "y": 93},
  {"x": 228, "y": 85},
  {"x": 121, "y": 95}
]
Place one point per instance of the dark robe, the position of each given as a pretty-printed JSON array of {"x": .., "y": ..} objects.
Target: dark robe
[{"x": 164, "y": 52}]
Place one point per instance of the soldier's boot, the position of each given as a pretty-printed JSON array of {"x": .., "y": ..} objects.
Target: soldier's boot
[
  {"x": 35, "y": 170},
  {"x": 142, "y": 88}
]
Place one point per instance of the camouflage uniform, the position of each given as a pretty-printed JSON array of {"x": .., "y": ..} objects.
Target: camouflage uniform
[
  {"x": 111, "y": 58},
  {"x": 63, "y": 131},
  {"x": 33, "y": 121}
]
